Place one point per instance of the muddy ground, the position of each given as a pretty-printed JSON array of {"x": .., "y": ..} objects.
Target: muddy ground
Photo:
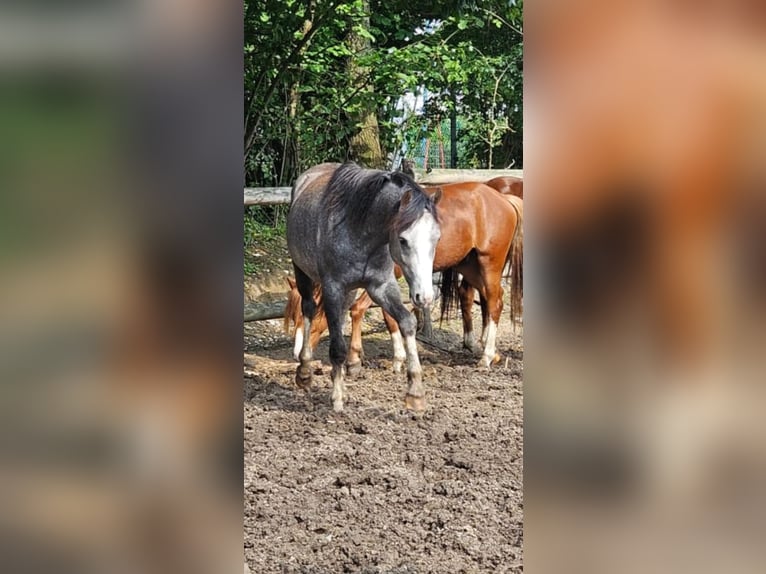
[{"x": 376, "y": 488}]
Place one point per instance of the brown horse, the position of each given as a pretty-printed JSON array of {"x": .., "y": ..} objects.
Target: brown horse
[
  {"x": 481, "y": 236},
  {"x": 508, "y": 185},
  {"x": 466, "y": 289}
]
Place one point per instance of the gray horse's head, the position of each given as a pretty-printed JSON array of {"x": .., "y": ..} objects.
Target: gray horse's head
[{"x": 412, "y": 242}]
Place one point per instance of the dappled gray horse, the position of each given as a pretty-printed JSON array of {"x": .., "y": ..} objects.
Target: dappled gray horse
[{"x": 346, "y": 228}]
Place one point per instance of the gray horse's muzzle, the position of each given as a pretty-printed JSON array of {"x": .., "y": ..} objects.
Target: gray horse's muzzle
[{"x": 422, "y": 297}]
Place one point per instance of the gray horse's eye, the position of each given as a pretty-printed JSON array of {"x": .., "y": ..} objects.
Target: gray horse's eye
[{"x": 403, "y": 243}]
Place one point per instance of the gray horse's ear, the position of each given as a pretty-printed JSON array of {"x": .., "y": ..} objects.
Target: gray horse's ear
[{"x": 436, "y": 196}]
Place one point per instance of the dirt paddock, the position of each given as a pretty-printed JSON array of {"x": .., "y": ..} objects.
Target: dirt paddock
[{"x": 377, "y": 489}]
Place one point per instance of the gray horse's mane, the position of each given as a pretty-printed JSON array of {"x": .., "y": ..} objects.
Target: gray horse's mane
[{"x": 352, "y": 190}]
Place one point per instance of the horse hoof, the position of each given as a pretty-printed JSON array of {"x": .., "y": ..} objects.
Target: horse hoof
[
  {"x": 303, "y": 378},
  {"x": 484, "y": 363},
  {"x": 398, "y": 364},
  {"x": 413, "y": 403},
  {"x": 354, "y": 369},
  {"x": 337, "y": 405},
  {"x": 474, "y": 349}
]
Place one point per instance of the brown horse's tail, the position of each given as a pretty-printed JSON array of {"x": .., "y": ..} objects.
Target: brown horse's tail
[
  {"x": 450, "y": 293},
  {"x": 515, "y": 264}
]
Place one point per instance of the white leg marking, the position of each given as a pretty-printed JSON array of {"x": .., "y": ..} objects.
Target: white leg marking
[
  {"x": 400, "y": 355},
  {"x": 305, "y": 355},
  {"x": 413, "y": 360},
  {"x": 303, "y": 372},
  {"x": 414, "y": 370},
  {"x": 489, "y": 348},
  {"x": 298, "y": 344},
  {"x": 338, "y": 388}
]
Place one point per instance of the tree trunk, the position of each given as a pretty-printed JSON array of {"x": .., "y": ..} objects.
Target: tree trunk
[{"x": 365, "y": 143}]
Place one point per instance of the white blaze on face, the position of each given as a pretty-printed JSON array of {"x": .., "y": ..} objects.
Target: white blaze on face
[{"x": 417, "y": 247}]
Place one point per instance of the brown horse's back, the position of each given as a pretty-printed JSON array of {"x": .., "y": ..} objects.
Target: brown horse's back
[{"x": 508, "y": 185}]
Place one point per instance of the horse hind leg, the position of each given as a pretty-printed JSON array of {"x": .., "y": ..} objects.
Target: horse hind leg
[
  {"x": 484, "y": 320},
  {"x": 494, "y": 302},
  {"x": 298, "y": 343},
  {"x": 356, "y": 352},
  {"x": 308, "y": 308},
  {"x": 335, "y": 307},
  {"x": 318, "y": 326},
  {"x": 466, "y": 308}
]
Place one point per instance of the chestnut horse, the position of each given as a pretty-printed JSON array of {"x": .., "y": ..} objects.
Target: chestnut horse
[
  {"x": 481, "y": 236},
  {"x": 466, "y": 289}
]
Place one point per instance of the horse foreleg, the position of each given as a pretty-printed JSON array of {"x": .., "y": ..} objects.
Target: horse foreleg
[
  {"x": 335, "y": 308},
  {"x": 427, "y": 330},
  {"x": 484, "y": 319},
  {"x": 387, "y": 295},
  {"x": 494, "y": 301},
  {"x": 303, "y": 374},
  {"x": 466, "y": 308},
  {"x": 356, "y": 352},
  {"x": 400, "y": 354},
  {"x": 308, "y": 308}
]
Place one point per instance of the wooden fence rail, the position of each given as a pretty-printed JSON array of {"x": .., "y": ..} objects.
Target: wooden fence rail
[
  {"x": 439, "y": 176},
  {"x": 281, "y": 195},
  {"x": 267, "y": 195}
]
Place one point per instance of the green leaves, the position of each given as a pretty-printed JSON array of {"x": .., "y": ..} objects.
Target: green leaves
[{"x": 300, "y": 95}]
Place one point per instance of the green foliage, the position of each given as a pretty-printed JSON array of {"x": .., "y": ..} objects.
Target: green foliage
[
  {"x": 264, "y": 229},
  {"x": 300, "y": 98},
  {"x": 264, "y": 223}
]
